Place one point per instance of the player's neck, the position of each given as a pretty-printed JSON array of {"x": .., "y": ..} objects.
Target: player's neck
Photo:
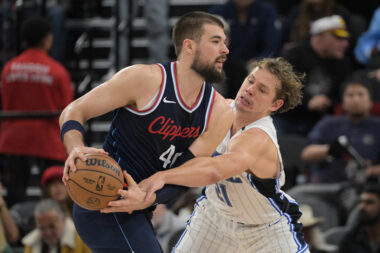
[{"x": 189, "y": 83}]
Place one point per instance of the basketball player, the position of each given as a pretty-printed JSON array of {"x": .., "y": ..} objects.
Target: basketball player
[
  {"x": 243, "y": 209},
  {"x": 165, "y": 114}
]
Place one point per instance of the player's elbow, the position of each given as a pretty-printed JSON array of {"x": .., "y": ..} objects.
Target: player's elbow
[{"x": 64, "y": 114}]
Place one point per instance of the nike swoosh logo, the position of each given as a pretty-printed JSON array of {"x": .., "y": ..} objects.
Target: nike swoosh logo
[{"x": 169, "y": 101}]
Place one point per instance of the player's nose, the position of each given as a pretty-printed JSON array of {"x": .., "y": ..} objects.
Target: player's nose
[{"x": 224, "y": 49}]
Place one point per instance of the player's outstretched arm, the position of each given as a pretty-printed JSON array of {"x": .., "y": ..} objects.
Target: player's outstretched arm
[
  {"x": 134, "y": 85},
  {"x": 243, "y": 153},
  {"x": 131, "y": 199}
]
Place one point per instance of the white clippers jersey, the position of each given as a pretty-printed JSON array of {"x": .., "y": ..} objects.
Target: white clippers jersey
[{"x": 250, "y": 200}]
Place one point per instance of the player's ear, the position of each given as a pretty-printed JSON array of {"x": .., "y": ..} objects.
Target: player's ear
[
  {"x": 188, "y": 46},
  {"x": 277, "y": 104}
]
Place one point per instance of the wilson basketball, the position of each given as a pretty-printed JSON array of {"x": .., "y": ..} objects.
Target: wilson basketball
[{"x": 95, "y": 182}]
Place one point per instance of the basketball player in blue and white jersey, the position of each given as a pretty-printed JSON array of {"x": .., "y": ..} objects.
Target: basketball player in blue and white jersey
[
  {"x": 165, "y": 114},
  {"x": 243, "y": 208}
]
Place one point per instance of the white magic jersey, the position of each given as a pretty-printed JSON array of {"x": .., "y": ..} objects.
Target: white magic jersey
[{"x": 242, "y": 197}]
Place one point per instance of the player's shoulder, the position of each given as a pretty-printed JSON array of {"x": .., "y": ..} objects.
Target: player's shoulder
[
  {"x": 223, "y": 103},
  {"x": 256, "y": 137},
  {"x": 223, "y": 106},
  {"x": 141, "y": 75},
  {"x": 145, "y": 71}
]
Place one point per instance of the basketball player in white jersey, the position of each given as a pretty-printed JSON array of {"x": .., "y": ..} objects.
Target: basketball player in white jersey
[{"x": 243, "y": 208}]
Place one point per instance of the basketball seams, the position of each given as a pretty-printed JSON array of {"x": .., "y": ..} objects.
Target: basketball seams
[
  {"x": 103, "y": 195},
  {"x": 99, "y": 171}
]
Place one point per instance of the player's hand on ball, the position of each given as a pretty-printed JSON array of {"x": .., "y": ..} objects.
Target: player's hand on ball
[
  {"x": 152, "y": 184},
  {"x": 77, "y": 153},
  {"x": 132, "y": 199}
]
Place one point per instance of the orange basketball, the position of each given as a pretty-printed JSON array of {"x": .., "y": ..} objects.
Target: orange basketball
[{"x": 95, "y": 182}]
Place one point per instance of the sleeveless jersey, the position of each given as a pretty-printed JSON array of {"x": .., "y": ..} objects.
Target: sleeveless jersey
[
  {"x": 248, "y": 199},
  {"x": 146, "y": 141}
]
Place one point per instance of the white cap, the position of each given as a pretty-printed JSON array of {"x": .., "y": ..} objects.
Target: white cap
[{"x": 333, "y": 23}]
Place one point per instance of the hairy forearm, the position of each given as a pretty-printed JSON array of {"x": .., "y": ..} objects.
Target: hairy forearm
[
  {"x": 199, "y": 171},
  {"x": 202, "y": 171},
  {"x": 72, "y": 138},
  {"x": 315, "y": 152}
]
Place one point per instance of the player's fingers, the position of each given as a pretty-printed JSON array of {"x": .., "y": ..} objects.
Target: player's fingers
[
  {"x": 71, "y": 166},
  {"x": 123, "y": 193},
  {"x": 82, "y": 156},
  {"x": 116, "y": 210},
  {"x": 129, "y": 179}
]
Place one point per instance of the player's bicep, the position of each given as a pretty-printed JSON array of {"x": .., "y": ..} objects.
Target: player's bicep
[
  {"x": 220, "y": 122},
  {"x": 121, "y": 90},
  {"x": 249, "y": 146}
]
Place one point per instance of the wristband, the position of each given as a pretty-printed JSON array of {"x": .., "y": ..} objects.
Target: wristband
[
  {"x": 71, "y": 125},
  {"x": 169, "y": 194}
]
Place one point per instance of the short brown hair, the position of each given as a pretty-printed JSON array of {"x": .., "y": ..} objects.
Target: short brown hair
[
  {"x": 290, "y": 89},
  {"x": 190, "y": 26}
]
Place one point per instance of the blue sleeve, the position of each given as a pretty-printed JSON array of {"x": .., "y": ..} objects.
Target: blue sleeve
[{"x": 368, "y": 40}]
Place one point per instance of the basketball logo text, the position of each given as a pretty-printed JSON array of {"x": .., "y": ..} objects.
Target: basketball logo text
[
  {"x": 103, "y": 163},
  {"x": 99, "y": 185}
]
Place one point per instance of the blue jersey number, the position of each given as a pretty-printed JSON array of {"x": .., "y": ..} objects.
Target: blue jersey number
[{"x": 221, "y": 190}]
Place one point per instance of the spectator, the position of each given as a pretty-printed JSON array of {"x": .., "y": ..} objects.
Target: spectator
[
  {"x": 296, "y": 26},
  {"x": 32, "y": 82},
  {"x": 323, "y": 61},
  {"x": 9, "y": 232},
  {"x": 54, "y": 233},
  {"x": 334, "y": 164},
  {"x": 366, "y": 236},
  {"x": 253, "y": 30},
  {"x": 53, "y": 187},
  {"x": 312, "y": 232},
  {"x": 13, "y": 13}
]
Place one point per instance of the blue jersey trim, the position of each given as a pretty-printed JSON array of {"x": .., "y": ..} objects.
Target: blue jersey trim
[{"x": 275, "y": 205}]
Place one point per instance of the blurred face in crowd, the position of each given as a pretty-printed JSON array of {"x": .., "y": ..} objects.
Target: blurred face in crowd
[
  {"x": 51, "y": 226},
  {"x": 57, "y": 190},
  {"x": 369, "y": 208},
  {"x": 357, "y": 101},
  {"x": 243, "y": 3},
  {"x": 210, "y": 54},
  {"x": 330, "y": 46},
  {"x": 315, "y": 5}
]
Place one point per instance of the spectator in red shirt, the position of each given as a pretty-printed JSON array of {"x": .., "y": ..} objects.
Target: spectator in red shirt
[{"x": 32, "y": 82}]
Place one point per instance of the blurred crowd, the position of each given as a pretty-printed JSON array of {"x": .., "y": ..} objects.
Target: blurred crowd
[{"x": 330, "y": 143}]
